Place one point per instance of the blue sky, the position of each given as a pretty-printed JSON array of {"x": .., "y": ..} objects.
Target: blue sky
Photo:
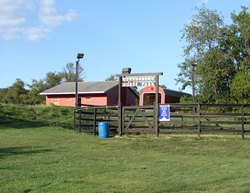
[{"x": 40, "y": 36}]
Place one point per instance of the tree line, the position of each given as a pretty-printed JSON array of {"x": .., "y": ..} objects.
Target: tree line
[
  {"x": 217, "y": 57},
  {"x": 21, "y": 93}
]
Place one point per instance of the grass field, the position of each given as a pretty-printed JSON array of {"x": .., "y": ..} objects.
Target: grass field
[{"x": 51, "y": 159}]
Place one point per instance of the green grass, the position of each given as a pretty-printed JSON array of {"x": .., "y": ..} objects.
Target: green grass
[
  {"x": 38, "y": 115},
  {"x": 51, "y": 159}
]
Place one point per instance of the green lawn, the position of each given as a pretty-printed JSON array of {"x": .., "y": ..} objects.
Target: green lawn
[{"x": 51, "y": 159}]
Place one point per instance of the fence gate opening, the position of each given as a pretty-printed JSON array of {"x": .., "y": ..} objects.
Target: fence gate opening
[
  {"x": 142, "y": 80},
  {"x": 138, "y": 119}
]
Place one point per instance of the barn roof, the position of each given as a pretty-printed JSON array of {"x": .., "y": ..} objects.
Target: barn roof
[
  {"x": 175, "y": 93},
  {"x": 83, "y": 88}
]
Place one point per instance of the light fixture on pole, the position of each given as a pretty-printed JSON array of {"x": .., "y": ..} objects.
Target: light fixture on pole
[
  {"x": 77, "y": 102},
  {"x": 126, "y": 70}
]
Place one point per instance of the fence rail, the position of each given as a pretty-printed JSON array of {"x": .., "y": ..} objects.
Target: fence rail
[{"x": 185, "y": 118}]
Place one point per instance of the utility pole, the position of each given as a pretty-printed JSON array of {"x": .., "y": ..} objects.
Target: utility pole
[{"x": 193, "y": 81}]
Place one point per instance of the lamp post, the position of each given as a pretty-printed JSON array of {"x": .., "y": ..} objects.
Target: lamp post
[{"x": 79, "y": 56}]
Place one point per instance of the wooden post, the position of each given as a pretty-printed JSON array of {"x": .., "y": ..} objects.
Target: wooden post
[
  {"x": 182, "y": 120},
  {"x": 94, "y": 124},
  {"x": 75, "y": 118},
  {"x": 199, "y": 119},
  {"x": 123, "y": 120},
  {"x": 156, "y": 106},
  {"x": 242, "y": 122},
  {"x": 80, "y": 120},
  {"x": 120, "y": 129}
]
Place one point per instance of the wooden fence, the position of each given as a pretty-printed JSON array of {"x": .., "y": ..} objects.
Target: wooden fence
[
  {"x": 184, "y": 118},
  {"x": 87, "y": 119}
]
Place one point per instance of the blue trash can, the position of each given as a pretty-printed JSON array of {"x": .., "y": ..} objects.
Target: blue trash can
[{"x": 103, "y": 130}]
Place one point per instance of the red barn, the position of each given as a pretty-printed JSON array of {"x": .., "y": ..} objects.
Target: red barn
[
  {"x": 91, "y": 93},
  {"x": 147, "y": 96}
]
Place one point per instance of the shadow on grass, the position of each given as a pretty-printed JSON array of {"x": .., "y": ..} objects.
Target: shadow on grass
[
  {"x": 26, "y": 150},
  {"x": 24, "y": 124},
  {"x": 21, "y": 124}
]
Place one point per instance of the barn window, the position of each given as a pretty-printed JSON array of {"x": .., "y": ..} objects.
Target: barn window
[
  {"x": 88, "y": 98},
  {"x": 55, "y": 101}
]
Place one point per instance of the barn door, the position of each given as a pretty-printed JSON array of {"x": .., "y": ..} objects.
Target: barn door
[{"x": 149, "y": 98}]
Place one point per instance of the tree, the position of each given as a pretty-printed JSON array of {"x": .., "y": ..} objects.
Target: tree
[
  {"x": 163, "y": 86},
  {"x": 111, "y": 78},
  {"x": 69, "y": 73},
  {"x": 240, "y": 87},
  {"x": 241, "y": 26},
  {"x": 52, "y": 79},
  {"x": 215, "y": 73},
  {"x": 18, "y": 94},
  {"x": 218, "y": 52},
  {"x": 202, "y": 35},
  {"x": 15, "y": 94},
  {"x": 36, "y": 88}
]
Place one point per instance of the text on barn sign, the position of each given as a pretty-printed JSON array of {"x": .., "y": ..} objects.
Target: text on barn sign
[{"x": 138, "y": 81}]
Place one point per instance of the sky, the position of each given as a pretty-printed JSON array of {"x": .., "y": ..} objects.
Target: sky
[{"x": 41, "y": 36}]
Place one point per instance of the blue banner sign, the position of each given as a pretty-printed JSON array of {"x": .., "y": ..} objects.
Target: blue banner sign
[{"x": 164, "y": 113}]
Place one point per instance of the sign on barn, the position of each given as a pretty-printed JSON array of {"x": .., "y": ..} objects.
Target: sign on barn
[{"x": 129, "y": 81}]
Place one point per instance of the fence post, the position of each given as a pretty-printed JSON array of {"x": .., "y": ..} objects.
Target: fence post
[
  {"x": 242, "y": 122},
  {"x": 120, "y": 117},
  {"x": 75, "y": 117},
  {"x": 199, "y": 119},
  {"x": 123, "y": 120},
  {"x": 94, "y": 124},
  {"x": 182, "y": 120},
  {"x": 156, "y": 106},
  {"x": 80, "y": 120}
]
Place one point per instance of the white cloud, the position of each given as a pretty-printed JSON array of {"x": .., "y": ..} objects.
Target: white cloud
[
  {"x": 10, "y": 13},
  {"x": 36, "y": 33},
  {"x": 16, "y": 19},
  {"x": 49, "y": 14},
  {"x": 8, "y": 21}
]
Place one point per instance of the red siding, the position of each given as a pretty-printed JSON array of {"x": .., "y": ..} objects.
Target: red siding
[
  {"x": 94, "y": 99},
  {"x": 130, "y": 97},
  {"x": 110, "y": 98},
  {"x": 69, "y": 100},
  {"x": 60, "y": 100},
  {"x": 171, "y": 99}
]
